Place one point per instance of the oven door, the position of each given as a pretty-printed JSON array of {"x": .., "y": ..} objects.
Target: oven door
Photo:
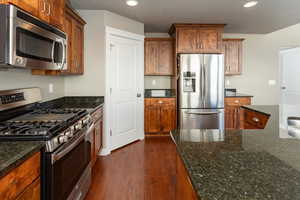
[
  {"x": 65, "y": 167},
  {"x": 36, "y": 47}
]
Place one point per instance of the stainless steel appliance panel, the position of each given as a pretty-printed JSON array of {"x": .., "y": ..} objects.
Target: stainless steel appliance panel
[
  {"x": 29, "y": 42},
  {"x": 202, "y": 119},
  {"x": 201, "y": 81}
]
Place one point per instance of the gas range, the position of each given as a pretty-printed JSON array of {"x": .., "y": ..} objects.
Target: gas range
[
  {"x": 54, "y": 126},
  {"x": 68, "y": 137}
]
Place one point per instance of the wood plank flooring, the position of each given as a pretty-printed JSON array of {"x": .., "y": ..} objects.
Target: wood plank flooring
[{"x": 144, "y": 170}]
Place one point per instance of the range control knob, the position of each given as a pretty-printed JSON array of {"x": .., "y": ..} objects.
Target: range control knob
[
  {"x": 69, "y": 133},
  {"x": 62, "y": 139},
  {"x": 78, "y": 126}
]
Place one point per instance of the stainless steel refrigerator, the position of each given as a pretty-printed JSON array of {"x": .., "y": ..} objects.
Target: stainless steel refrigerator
[{"x": 201, "y": 91}]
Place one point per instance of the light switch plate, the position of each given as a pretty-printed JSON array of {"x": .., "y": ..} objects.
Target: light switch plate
[
  {"x": 272, "y": 82},
  {"x": 51, "y": 88},
  {"x": 153, "y": 82}
]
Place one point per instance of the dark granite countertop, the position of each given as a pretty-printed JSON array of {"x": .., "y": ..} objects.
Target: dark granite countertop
[
  {"x": 234, "y": 94},
  {"x": 91, "y": 103},
  {"x": 14, "y": 153},
  {"x": 242, "y": 164}
]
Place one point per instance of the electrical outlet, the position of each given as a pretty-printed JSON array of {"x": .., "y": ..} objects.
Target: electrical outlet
[
  {"x": 272, "y": 82},
  {"x": 227, "y": 83},
  {"x": 153, "y": 82},
  {"x": 51, "y": 88}
]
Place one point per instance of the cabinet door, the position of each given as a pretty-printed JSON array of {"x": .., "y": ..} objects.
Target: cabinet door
[
  {"x": 93, "y": 149},
  {"x": 151, "y": 57},
  {"x": 233, "y": 56},
  {"x": 207, "y": 40},
  {"x": 69, "y": 30},
  {"x": 167, "y": 118},
  {"x": 152, "y": 119},
  {"x": 231, "y": 117},
  {"x": 186, "y": 40},
  {"x": 56, "y": 11},
  {"x": 77, "y": 50},
  {"x": 32, "y": 192},
  {"x": 98, "y": 132},
  {"x": 166, "y": 58},
  {"x": 30, "y": 6},
  {"x": 44, "y": 10}
]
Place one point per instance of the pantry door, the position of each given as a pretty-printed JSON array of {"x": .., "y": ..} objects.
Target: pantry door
[{"x": 126, "y": 85}]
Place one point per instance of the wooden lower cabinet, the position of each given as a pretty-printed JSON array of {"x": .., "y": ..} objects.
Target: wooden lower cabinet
[
  {"x": 184, "y": 187},
  {"x": 23, "y": 182},
  {"x": 253, "y": 120},
  {"x": 97, "y": 117},
  {"x": 233, "y": 113},
  {"x": 160, "y": 115},
  {"x": 32, "y": 192}
]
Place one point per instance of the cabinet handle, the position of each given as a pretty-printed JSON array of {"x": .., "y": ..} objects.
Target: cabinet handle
[
  {"x": 255, "y": 119},
  {"x": 49, "y": 9},
  {"x": 44, "y": 6}
]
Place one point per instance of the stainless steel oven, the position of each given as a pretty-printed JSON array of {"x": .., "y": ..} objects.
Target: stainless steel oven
[
  {"x": 28, "y": 42},
  {"x": 67, "y": 174}
]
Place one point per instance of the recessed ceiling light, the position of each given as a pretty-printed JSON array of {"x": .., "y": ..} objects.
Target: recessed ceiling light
[
  {"x": 250, "y": 4},
  {"x": 132, "y": 2}
]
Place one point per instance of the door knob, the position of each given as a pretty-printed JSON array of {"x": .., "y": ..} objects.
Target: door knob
[{"x": 139, "y": 95}]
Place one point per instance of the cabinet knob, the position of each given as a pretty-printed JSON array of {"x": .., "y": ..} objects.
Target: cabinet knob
[
  {"x": 255, "y": 119},
  {"x": 160, "y": 102},
  {"x": 237, "y": 101}
]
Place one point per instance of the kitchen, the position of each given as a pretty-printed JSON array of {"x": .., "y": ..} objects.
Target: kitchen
[{"x": 90, "y": 123}]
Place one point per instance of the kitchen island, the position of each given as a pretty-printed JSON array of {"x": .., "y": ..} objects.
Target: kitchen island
[{"x": 242, "y": 164}]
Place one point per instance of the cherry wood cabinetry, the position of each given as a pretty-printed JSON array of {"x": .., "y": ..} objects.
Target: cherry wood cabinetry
[
  {"x": 23, "y": 182},
  {"x": 97, "y": 117},
  {"x": 159, "y": 56},
  {"x": 198, "y": 38},
  {"x": 233, "y": 50},
  {"x": 50, "y": 11},
  {"x": 253, "y": 120},
  {"x": 160, "y": 115},
  {"x": 233, "y": 114},
  {"x": 74, "y": 27}
]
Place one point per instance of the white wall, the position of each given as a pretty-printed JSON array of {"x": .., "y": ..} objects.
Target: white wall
[
  {"x": 92, "y": 83},
  {"x": 20, "y": 78},
  {"x": 261, "y": 63}
]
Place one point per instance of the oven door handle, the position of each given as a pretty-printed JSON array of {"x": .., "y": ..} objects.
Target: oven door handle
[
  {"x": 60, "y": 154},
  {"x": 203, "y": 113}
]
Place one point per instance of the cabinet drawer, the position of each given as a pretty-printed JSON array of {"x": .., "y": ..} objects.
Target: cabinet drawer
[
  {"x": 97, "y": 114},
  {"x": 254, "y": 120},
  {"x": 237, "y": 101},
  {"x": 14, "y": 183},
  {"x": 160, "y": 101}
]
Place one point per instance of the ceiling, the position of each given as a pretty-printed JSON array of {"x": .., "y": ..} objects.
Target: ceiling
[{"x": 158, "y": 15}]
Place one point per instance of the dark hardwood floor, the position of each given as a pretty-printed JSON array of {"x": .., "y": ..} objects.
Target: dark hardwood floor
[{"x": 144, "y": 170}]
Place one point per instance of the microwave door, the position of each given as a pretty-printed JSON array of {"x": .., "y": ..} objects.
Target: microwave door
[
  {"x": 36, "y": 48},
  {"x": 59, "y": 54}
]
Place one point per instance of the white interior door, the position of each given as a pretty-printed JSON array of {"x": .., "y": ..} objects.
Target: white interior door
[
  {"x": 126, "y": 90},
  {"x": 290, "y": 81}
]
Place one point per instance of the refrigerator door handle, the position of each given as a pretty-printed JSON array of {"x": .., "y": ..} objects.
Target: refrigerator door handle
[
  {"x": 204, "y": 80},
  {"x": 203, "y": 113}
]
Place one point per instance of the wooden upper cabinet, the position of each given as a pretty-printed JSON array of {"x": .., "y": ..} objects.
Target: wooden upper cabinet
[
  {"x": 233, "y": 50},
  {"x": 50, "y": 11},
  {"x": 159, "y": 56},
  {"x": 57, "y": 9},
  {"x": 198, "y": 38},
  {"x": 77, "y": 51},
  {"x": 30, "y": 6}
]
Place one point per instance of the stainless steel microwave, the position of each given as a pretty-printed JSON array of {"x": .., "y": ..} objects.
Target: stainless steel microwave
[{"x": 27, "y": 42}]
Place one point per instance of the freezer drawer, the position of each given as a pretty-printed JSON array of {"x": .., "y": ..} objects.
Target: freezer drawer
[{"x": 202, "y": 119}]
